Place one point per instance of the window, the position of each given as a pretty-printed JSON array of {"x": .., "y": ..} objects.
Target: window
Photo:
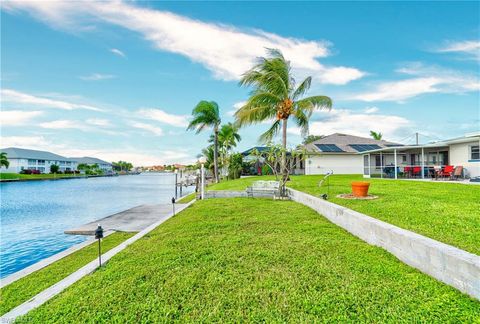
[
  {"x": 41, "y": 162},
  {"x": 32, "y": 162},
  {"x": 378, "y": 162},
  {"x": 475, "y": 152},
  {"x": 404, "y": 159}
]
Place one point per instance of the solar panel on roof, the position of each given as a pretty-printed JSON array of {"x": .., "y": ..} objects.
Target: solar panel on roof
[
  {"x": 364, "y": 147},
  {"x": 328, "y": 148}
]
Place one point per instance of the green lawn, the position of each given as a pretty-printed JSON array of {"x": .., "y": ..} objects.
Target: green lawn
[
  {"x": 23, "y": 289},
  {"x": 255, "y": 260},
  {"x": 447, "y": 212},
  {"x": 187, "y": 198},
  {"x": 12, "y": 176}
]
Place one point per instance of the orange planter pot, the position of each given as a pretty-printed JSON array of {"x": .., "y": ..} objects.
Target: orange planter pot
[{"x": 360, "y": 188}]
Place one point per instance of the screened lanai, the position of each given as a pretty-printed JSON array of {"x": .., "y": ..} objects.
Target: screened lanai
[{"x": 406, "y": 161}]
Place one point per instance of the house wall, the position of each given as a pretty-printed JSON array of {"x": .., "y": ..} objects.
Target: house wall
[
  {"x": 460, "y": 155},
  {"x": 17, "y": 165},
  {"x": 339, "y": 163}
]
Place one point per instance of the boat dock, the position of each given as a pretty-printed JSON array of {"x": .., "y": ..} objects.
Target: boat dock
[{"x": 134, "y": 219}]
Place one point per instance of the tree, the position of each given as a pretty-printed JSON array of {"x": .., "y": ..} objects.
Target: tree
[
  {"x": 275, "y": 96},
  {"x": 273, "y": 157},
  {"x": 4, "y": 160},
  {"x": 311, "y": 138},
  {"x": 54, "y": 168},
  {"x": 376, "y": 136},
  {"x": 207, "y": 114},
  {"x": 235, "y": 165},
  {"x": 209, "y": 153},
  {"x": 228, "y": 137}
]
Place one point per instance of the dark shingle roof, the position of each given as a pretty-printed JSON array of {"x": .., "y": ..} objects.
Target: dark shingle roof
[{"x": 346, "y": 143}]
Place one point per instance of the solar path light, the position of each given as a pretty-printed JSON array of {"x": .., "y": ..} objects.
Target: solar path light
[
  {"x": 99, "y": 236},
  {"x": 173, "y": 205}
]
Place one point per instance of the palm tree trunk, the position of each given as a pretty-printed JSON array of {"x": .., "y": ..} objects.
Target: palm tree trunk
[
  {"x": 284, "y": 155},
  {"x": 215, "y": 154}
]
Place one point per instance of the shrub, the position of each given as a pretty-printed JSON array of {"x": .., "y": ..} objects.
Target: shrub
[{"x": 54, "y": 168}]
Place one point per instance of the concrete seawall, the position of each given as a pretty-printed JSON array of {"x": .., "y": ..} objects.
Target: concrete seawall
[{"x": 444, "y": 262}]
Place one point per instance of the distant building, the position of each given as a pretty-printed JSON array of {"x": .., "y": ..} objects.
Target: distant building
[
  {"x": 102, "y": 165},
  {"x": 25, "y": 159}
]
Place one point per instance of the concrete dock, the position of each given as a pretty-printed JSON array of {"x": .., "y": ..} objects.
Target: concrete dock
[{"x": 135, "y": 219}]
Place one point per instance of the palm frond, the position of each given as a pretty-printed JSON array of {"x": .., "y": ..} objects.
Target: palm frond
[
  {"x": 302, "y": 88},
  {"x": 271, "y": 132},
  {"x": 301, "y": 119},
  {"x": 313, "y": 103}
]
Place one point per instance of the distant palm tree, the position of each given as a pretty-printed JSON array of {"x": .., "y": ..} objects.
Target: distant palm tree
[
  {"x": 4, "y": 160},
  {"x": 209, "y": 153},
  {"x": 206, "y": 114},
  {"x": 276, "y": 97},
  {"x": 376, "y": 136}
]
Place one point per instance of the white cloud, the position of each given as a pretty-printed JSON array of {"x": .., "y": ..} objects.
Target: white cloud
[
  {"x": 236, "y": 106},
  {"x": 357, "y": 123},
  {"x": 371, "y": 110},
  {"x": 225, "y": 50},
  {"x": 97, "y": 77},
  {"x": 424, "y": 79},
  {"x": 470, "y": 48},
  {"x": 150, "y": 128},
  {"x": 164, "y": 117},
  {"x": 64, "y": 124},
  {"x": 118, "y": 52},
  {"x": 98, "y": 122},
  {"x": 30, "y": 142},
  {"x": 17, "y": 117},
  {"x": 13, "y": 96}
]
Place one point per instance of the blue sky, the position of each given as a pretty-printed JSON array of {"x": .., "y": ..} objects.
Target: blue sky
[{"x": 118, "y": 80}]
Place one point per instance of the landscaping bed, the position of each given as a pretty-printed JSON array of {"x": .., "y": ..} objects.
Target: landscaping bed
[
  {"x": 446, "y": 212},
  {"x": 258, "y": 260},
  {"x": 25, "y": 288}
]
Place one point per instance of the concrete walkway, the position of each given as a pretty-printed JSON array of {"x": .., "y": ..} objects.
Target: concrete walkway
[{"x": 135, "y": 219}]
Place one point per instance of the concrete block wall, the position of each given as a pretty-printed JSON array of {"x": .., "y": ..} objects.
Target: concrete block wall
[
  {"x": 224, "y": 194},
  {"x": 453, "y": 266}
]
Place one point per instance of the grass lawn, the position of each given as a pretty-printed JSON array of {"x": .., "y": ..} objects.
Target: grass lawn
[
  {"x": 187, "y": 198},
  {"x": 12, "y": 176},
  {"x": 25, "y": 288},
  {"x": 259, "y": 260},
  {"x": 447, "y": 212}
]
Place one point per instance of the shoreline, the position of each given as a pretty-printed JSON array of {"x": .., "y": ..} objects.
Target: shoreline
[{"x": 61, "y": 178}]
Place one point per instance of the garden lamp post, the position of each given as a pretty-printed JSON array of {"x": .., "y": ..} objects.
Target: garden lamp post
[
  {"x": 173, "y": 205},
  {"x": 202, "y": 161},
  {"x": 99, "y": 236}
]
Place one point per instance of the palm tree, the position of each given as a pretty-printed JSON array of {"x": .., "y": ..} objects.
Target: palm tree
[
  {"x": 209, "y": 153},
  {"x": 228, "y": 136},
  {"x": 376, "y": 136},
  {"x": 4, "y": 160},
  {"x": 206, "y": 114},
  {"x": 276, "y": 97}
]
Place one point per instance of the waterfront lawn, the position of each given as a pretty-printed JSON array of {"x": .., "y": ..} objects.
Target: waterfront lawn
[
  {"x": 187, "y": 198},
  {"x": 25, "y": 288},
  {"x": 447, "y": 212},
  {"x": 255, "y": 260},
  {"x": 15, "y": 176}
]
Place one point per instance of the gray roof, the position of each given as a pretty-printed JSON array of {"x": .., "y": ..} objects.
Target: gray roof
[
  {"x": 343, "y": 142},
  {"x": 19, "y": 153},
  {"x": 90, "y": 160}
]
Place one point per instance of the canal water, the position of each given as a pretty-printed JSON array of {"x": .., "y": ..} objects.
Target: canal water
[{"x": 34, "y": 214}]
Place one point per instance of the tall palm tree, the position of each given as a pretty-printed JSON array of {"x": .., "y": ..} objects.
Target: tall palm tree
[
  {"x": 276, "y": 97},
  {"x": 4, "y": 160},
  {"x": 206, "y": 114},
  {"x": 376, "y": 136}
]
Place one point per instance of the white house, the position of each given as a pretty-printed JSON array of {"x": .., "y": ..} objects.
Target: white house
[
  {"x": 395, "y": 161},
  {"x": 340, "y": 153},
  {"x": 103, "y": 165},
  {"x": 25, "y": 159}
]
